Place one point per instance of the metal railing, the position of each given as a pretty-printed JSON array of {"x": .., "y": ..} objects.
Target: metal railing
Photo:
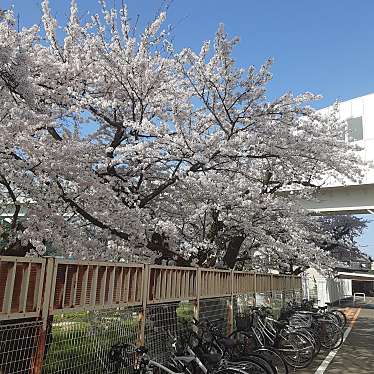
[{"x": 87, "y": 306}]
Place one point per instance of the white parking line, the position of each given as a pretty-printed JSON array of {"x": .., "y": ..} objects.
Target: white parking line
[
  {"x": 331, "y": 355},
  {"x": 326, "y": 362}
]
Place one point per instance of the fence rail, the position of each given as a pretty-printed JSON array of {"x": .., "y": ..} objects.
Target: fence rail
[
  {"x": 167, "y": 284},
  {"x": 87, "y": 285}
]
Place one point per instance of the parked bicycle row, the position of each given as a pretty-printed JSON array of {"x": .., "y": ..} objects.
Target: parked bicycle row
[{"x": 259, "y": 343}]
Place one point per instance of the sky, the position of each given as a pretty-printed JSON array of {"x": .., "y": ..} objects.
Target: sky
[{"x": 325, "y": 47}]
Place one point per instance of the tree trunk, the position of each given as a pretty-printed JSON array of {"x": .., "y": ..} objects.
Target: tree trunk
[{"x": 232, "y": 251}]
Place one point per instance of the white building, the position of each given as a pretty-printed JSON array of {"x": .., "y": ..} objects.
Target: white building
[
  {"x": 353, "y": 197},
  {"x": 325, "y": 289},
  {"x": 359, "y": 115}
]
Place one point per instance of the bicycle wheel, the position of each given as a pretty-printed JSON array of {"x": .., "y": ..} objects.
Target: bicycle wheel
[
  {"x": 296, "y": 349},
  {"x": 254, "y": 364},
  {"x": 230, "y": 370},
  {"x": 274, "y": 358},
  {"x": 331, "y": 335},
  {"x": 255, "y": 358},
  {"x": 341, "y": 317},
  {"x": 332, "y": 317},
  {"x": 314, "y": 339}
]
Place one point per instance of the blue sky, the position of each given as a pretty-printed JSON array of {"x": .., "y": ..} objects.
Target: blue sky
[
  {"x": 367, "y": 239},
  {"x": 326, "y": 47}
]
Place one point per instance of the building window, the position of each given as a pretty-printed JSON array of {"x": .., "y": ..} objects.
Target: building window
[{"x": 355, "y": 129}]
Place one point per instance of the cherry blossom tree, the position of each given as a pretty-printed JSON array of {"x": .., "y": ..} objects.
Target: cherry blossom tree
[
  {"x": 117, "y": 146},
  {"x": 341, "y": 234}
]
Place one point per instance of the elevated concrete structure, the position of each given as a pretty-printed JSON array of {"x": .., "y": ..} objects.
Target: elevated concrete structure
[
  {"x": 353, "y": 199},
  {"x": 356, "y": 276}
]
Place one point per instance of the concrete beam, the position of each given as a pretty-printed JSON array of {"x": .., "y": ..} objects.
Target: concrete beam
[
  {"x": 356, "y": 276},
  {"x": 353, "y": 199}
]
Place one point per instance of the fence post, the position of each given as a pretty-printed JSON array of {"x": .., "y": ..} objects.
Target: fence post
[
  {"x": 230, "y": 307},
  {"x": 293, "y": 288},
  {"x": 271, "y": 289},
  {"x": 37, "y": 364},
  {"x": 284, "y": 283},
  {"x": 255, "y": 289},
  {"x": 142, "y": 314},
  {"x": 196, "y": 309}
]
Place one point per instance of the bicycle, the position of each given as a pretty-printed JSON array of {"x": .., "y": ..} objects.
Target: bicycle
[
  {"x": 264, "y": 332},
  {"x": 334, "y": 314},
  {"x": 120, "y": 354},
  {"x": 232, "y": 347},
  {"x": 320, "y": 323}
]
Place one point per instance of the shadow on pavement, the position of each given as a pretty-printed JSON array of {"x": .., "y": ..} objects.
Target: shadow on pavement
[{"x": 356, "y": 354}]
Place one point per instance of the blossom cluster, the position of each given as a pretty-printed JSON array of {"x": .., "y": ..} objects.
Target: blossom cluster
[{"x": 114, "y": 145}]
